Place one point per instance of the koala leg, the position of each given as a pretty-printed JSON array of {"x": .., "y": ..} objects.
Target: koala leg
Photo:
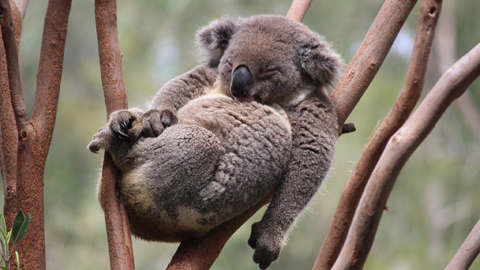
[{"x": 161, "y": 192}]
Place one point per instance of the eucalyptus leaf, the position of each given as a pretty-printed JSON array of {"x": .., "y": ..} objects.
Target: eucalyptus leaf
[{"x": 20, "y": 226}]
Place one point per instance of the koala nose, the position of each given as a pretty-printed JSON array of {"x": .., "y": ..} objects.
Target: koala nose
[{"x": 241, "y": 82}]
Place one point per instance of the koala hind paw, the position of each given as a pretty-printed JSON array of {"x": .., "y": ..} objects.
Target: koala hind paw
[
  {"x": 154, "y": 122},
  {"x": 266, "y": 243}
]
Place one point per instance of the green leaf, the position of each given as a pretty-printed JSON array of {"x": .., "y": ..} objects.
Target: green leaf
[
  {"x": 20, "y": 226},
  {"x": 4, "y": 267}
]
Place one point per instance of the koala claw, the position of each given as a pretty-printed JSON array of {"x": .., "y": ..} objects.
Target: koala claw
[
  {"x": 267, "y": 246},
  {"x": 122, "y": 134},
  {"x": 122, "y": 125}
]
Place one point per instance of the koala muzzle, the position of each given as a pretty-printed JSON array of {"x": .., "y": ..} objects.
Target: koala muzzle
[{"x": 241, "y": 82}]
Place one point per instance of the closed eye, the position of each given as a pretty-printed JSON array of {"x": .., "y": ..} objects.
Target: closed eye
[{"x": 269, "y": 72}]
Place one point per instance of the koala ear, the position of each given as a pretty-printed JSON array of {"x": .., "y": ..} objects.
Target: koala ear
[
  {"x": 320, "y": 62},
  {"x": 213, "y": 39}
]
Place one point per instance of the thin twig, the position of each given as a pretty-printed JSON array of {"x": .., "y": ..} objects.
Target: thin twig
[
  {"x": 400, "y": 147},
  {"x": 369, "y": 57},
  {"x": 395, "y": 119},
  {"x": 467, "y": 252},
  {"x": 116, "y": 221}
]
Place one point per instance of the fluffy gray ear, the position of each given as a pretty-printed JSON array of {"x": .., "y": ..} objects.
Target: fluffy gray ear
[
  {"x": 321, "y": 62},
  {"x": 213, "y": 39}
]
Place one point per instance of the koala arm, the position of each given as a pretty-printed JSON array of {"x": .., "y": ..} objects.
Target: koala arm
[
  {"x": 314, "y": 129},
  {"x": 129, "y": 126},
  {"x": 180, "y": 90}
]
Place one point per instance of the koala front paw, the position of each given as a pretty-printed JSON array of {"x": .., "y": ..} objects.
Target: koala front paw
[
  {"x": 124, "y": 125},
  {"x": 267, "y": 244},
  {"x": 154, "y": 122}
]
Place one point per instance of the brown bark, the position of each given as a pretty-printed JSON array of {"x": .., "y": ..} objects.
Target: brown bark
[
  {"x": 22, "y": 7},
  {"x": 467, "y": 252},
  {"x": 13, "y": 64},
  {"x": 118, "y": 229},
  {"x": 400, "y": 147},
  {"x": 36, "y": 136},
  {"x": 367, "y": 60},
  {"x": 395, "y": 119},
  {"x": 8, "y": 144}
]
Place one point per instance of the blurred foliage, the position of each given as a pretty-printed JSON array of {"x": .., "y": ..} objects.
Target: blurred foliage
[{"x": 433, "y": 207}]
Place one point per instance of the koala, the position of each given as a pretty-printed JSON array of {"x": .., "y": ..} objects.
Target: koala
[{"x": 253, "y": 119}]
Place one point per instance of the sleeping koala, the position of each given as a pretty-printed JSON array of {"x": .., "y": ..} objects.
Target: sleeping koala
[{"x": 253, "y": 119}]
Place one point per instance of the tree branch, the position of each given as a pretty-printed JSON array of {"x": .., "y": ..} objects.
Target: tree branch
[
  {"x": 118, "y": 228},
  {"x": 404, "y": 105},
  {"x": 35, "y": 137},
  {"x": 367, "y": 60},
  {"x": 400, "y": 147},
  {"x": 8, "y": 144},
  {"x": 22, "y": 7},
  {"x": 298, "y": 9},
  {"x": 467, "y": 252},
  {"x": 200, "y": 253},
  {"x": 50, "y": 70},
  {"x": 11, "y": 50}
]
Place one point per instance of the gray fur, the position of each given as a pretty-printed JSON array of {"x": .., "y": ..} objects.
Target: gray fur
[{"x": 200, "y": 157}]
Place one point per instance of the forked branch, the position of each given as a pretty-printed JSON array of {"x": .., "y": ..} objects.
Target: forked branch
[
  {"x": 400, "y": 147},
  {"x": 37, "y": 134},
  {"x": 404, "y": 105},
  {"x": 369, "y": 57}
]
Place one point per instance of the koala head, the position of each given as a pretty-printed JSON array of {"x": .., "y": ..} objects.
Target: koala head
[{"x": 267, "y": 57}]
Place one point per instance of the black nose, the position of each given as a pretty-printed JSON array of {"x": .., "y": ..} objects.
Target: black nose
[{"x": 241, "y": 82}]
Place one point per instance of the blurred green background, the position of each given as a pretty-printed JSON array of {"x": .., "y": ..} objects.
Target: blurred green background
[{"x": 433, "y": 206}]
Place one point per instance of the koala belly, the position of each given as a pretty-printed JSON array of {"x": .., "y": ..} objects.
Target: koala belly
[{"x": 221, "y": 158}]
